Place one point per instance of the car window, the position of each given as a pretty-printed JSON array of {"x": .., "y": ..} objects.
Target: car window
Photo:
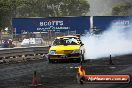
[{"x": 66, "y": 41}]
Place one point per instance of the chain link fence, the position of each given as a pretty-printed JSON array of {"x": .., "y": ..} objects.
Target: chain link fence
[{"x": 47, "y": 37}]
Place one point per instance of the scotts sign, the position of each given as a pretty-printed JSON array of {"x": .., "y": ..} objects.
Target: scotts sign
[
  {"x": 56, "y": 24},
  {"x": 52, "y": 24}
]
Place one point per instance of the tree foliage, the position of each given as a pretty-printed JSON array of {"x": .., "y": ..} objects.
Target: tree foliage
[
  {"x": 41, "y": 8},
  {"x": 8, "y": 10},
  {"x": 121, "y": 9}
]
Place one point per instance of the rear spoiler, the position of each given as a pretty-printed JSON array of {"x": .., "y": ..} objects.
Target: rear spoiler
[{"x": 78, "y": 35}]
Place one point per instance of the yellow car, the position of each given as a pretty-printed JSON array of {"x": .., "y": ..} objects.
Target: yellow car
[{"x": 66, "y": 48}]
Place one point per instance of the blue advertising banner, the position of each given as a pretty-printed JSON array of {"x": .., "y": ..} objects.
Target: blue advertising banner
[
  {"x": 57, "y": 24},
  {"x": 104, "y": 22}
]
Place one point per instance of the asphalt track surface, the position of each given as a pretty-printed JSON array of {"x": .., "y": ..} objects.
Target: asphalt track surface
[{"x": 62, "y": 75}]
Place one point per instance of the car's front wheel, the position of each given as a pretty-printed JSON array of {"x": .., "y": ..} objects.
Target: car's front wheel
[{"x": 50, "y": 61}]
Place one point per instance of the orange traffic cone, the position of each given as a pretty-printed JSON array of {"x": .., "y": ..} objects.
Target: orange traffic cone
[
  {"x": 81, "y": 74},
  {"x": 35, "y": 79},
  {"x": 81, "y": 70}
]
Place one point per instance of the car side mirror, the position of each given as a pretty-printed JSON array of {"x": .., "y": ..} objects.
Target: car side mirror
[
  {"x": 82, "y": 44},
  {"x": 49, "y": 46}
]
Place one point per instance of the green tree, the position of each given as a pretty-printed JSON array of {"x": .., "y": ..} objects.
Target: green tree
[
  {"x": 4, "y": 13},
  {"x": 41, "y": 8},
  {"x": 8, "y": 10},
  {"x": 121, "y": 9},
  {"x": 68, "y": 7},
  {"x": 54, "y": 8}
]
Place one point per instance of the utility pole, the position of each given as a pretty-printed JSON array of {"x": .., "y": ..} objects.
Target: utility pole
[{"x": 91, "y": 24}]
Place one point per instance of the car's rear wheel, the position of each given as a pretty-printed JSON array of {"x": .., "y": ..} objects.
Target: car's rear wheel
[{"x": 82, "y": 58}]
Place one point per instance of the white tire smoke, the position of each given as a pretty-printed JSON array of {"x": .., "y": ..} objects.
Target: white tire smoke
[{"x": 117, "y": 40}]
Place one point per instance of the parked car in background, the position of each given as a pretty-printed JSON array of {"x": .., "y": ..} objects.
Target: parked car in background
[
  {"x": 32, "y": 42},
  {"x": 7, "y": 43}
]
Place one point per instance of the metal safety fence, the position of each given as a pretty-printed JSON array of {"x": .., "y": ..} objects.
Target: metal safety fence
[{"x": 23, "y": 54}]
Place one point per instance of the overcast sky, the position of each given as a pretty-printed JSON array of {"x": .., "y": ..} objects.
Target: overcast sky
[{"x": 103, "y": 7}]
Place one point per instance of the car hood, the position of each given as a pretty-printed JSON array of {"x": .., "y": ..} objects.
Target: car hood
[{"x": 65, "y": 47}]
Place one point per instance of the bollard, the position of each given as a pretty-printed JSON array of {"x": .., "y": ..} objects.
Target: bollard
[
  {"x": 80, "y": 74},
  {"x": 110, "y": 60}
]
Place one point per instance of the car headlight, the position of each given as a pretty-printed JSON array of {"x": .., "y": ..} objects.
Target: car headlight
[
  {"x": 75, "y": 51},
  {"x": 52, "y": 52}
]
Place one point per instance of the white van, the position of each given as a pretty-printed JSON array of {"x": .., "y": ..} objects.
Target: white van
[{"x": 32, "y": 42}]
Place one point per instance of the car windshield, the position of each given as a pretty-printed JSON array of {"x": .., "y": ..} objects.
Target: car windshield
[{"x": 66, "y": 41}]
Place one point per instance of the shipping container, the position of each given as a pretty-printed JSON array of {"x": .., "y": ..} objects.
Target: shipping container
[
  {"x": 104, "y": 22},
  {"x": 56, "y": 24}
]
